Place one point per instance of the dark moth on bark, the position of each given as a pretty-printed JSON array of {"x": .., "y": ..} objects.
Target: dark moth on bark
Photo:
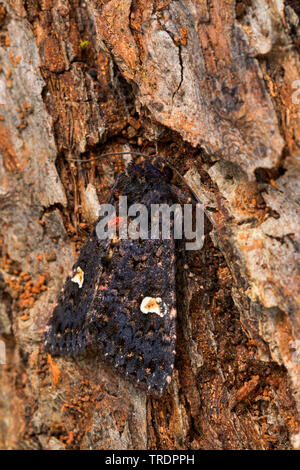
[{"x": 112, "y": 284}]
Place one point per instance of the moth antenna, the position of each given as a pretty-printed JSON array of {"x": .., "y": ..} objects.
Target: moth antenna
[
  {"x": 141, "y": 154},
  {"x": 104, "y": 155}
]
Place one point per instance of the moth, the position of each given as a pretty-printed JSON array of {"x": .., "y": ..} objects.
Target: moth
[{"x": 120, "y": 296}]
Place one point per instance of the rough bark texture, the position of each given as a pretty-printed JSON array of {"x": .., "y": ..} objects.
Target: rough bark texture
[{"x": 208, "y": 83}]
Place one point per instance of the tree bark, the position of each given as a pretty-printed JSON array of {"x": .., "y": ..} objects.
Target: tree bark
[{"x": 212, "y": 86}]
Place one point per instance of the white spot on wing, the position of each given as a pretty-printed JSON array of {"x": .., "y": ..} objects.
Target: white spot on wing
[
  {"x": 78, "y": 278},
  {"x": 153, "y": 305}
]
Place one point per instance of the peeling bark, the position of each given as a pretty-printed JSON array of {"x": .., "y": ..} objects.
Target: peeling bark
[{"x": 211, "y": 86}]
